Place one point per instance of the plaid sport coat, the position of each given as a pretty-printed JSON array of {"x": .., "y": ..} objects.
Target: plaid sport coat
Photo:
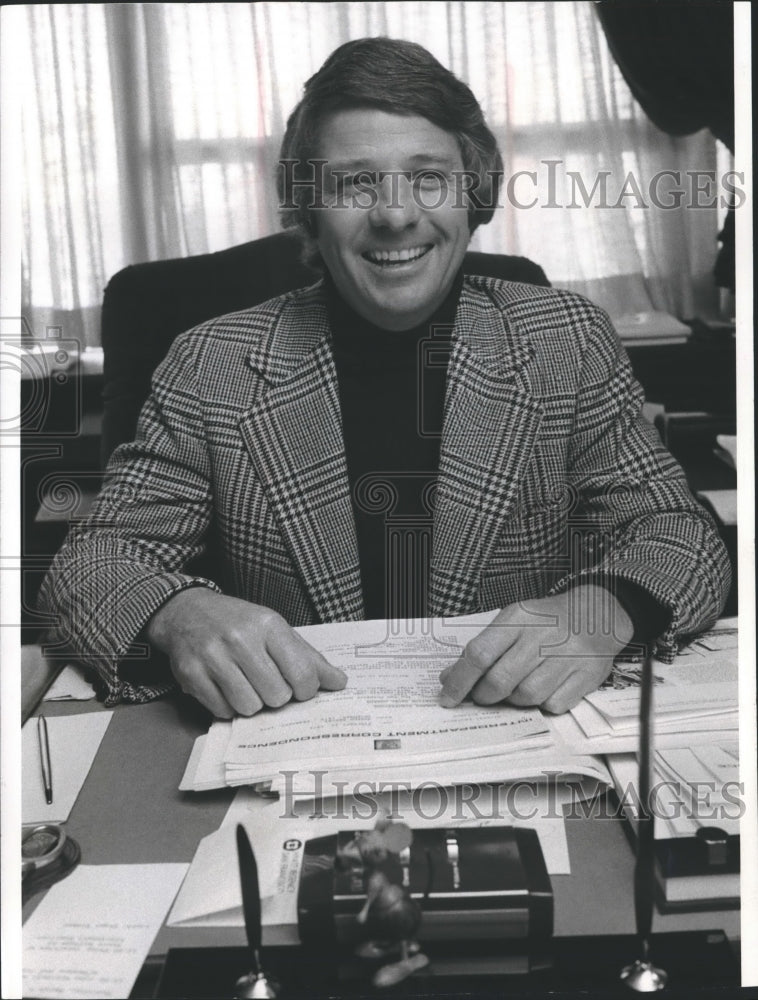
[{"x": 548, "y": 476}]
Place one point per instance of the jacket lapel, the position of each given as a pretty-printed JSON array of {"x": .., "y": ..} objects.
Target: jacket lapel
[
  {"x": 489, "y": 429},
  {"x": 294, "y": 436}
]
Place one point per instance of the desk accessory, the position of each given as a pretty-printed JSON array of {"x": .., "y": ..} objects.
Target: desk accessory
[
  {"x": 48, "y": 854},
  {"x": 701, "y": 963},
  {"x": 486, "y": 886},
  {"x": 390, "y": 915},
  {"x": 44, "y": 758},
  {"x": 698, "y": 873},
  {"x": 642, "y": 976},
  {"x": 254, "y": 985},
  {"x": 463, "y": 962},
  {"x": 692, "y": 873}
]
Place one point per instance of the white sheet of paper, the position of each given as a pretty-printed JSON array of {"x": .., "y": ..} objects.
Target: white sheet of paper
[
  {"x": 686, "y": 701},
  {"x": 722, "y": 761},
  {"x": 71, "y": 684},
  {"x": 528, "y": 766},
  {"x": 577, "y": 742},
  {"x": 74, "y": 741},
  {"x": 91, "y": 933},
  {"x": 717, "y": 722},
  {"x": 686, "y": 794}
]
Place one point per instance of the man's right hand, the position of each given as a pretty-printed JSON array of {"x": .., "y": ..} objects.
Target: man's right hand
[{"x": 236, "y": 657}]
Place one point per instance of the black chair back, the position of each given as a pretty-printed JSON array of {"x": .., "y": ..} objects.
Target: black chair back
[{"x": 147, "y": 305}]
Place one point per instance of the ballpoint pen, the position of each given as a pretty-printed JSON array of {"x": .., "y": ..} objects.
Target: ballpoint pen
[{"x": 44, "y": 758}]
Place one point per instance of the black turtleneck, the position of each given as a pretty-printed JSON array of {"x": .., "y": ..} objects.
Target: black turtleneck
[{"x": 392, "y": 393}]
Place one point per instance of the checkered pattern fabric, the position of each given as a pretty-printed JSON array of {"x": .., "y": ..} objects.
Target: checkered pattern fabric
[{"x": 548, "y": 476}]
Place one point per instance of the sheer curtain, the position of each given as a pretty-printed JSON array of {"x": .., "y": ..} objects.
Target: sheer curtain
[{"x": 152, "y": 130}]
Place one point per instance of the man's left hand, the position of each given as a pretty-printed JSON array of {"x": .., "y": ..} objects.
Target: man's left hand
[{"x": 549, "y": 651}]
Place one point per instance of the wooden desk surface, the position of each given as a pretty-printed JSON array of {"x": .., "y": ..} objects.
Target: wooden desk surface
[{"x": 130, "y": 811}]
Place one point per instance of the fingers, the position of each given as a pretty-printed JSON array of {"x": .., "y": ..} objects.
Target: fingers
[
  {"x": 540, "y": 683},
  {"x": 567, "y": 696},
  {"x": 303, "y": 667},
  {"x": 237, "y": 657},
  {"x": 210, "y": 696},
  {"x": 233, "y": 696},
  {"x": 541, "y": 652},
  {"x": 215, "y": 702},
  {"x": 516, "y": 676},
  {"x": 521, "y": 664},
  {"x": 477, "y": 660},
  {"x": 584, "y": 678},
  {"x": 444, "y": 674},
  {"x": 331, "y": 678},
  {"x": 555, "y": 684},
  {"x": 262, "y": 674},
  {"x": 237, "y": 691}
]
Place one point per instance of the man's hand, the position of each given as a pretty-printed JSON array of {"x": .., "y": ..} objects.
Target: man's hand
[
  {"x": 236, "y": 657},
  {"x": 550, "y": 652}
]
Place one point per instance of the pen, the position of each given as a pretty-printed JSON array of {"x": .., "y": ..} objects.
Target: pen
[
  {"x": 255, "y": 984},
  {"x": 642, "y": 975},
  {"x": 44, "y": 758}
]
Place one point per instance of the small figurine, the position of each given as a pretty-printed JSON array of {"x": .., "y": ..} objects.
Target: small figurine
[
  {"x": 391, "y": 917},
  {"x": 371, "y": 848}
]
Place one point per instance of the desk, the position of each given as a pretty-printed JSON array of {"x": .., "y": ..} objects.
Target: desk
[{"x": 129, "y": 811}]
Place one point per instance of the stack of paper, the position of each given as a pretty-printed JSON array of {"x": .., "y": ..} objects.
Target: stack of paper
[
  {"x": 694, "y": 699},
  {"x": 695, "y": 780},
  {"x": 695, "y": 798},
  {"x": 386, "y": 725},
  {"x": 652, "y": 327},
  {"x": 692, "y": 787}
]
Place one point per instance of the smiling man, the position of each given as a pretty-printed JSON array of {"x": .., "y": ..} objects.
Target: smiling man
[
  {"x": 392, "y": 260},
  {"x": 293, "y": 438}
]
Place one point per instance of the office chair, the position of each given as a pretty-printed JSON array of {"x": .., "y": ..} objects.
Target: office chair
[{"x": 146, "y": 306}]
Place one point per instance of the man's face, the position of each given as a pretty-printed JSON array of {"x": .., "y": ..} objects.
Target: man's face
[{"x": 392, "y": 258}]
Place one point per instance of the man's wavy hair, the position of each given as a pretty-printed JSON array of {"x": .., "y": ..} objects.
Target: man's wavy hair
[{"x": 398, "y": 77}]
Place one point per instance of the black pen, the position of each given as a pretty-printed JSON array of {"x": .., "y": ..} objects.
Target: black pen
[{"x": 44, "y": 758}]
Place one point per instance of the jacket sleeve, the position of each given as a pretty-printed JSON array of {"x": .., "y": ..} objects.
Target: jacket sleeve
[
  {"x": 122, "y": 562},
  {"x": 634, "y": 510}
]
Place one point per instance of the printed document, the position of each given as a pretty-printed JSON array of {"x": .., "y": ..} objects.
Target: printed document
[
  {"x": 91, "y": 933},
  {"x": 388, "y": 714}
]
